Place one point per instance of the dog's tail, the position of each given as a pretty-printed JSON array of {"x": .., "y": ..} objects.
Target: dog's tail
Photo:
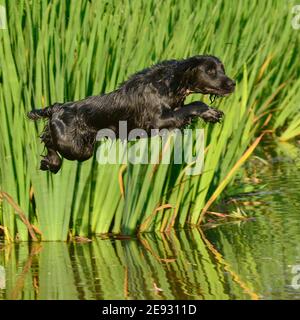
[
  {"x": 39, "y": 114},
  {"x": 42, "y": 113}
]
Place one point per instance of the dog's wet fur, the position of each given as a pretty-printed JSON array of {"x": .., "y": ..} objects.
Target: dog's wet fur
[{"x": 150, "y": 99}]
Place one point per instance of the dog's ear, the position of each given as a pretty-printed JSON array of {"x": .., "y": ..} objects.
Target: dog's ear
[
  {"x": 187, "y": 71},
  {"x": 190, "y": 69},
  {"x": 192, "y": 63},
  {"x": 191, "y": 77}
]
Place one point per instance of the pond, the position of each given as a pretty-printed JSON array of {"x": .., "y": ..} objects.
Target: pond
[{"x": 254, "y": 259}]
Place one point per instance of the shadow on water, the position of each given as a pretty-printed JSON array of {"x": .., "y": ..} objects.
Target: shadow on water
[{"x": 256, "y": 259}]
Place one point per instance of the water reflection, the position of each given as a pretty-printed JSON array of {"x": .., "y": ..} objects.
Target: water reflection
[
  {"x": 255, "y": 263},
  {"x": 155, "y": 267}
]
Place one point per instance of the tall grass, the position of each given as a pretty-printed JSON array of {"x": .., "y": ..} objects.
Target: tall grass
[{"x": 66, "y": 50}]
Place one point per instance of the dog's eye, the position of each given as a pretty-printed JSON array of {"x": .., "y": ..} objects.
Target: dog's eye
[{"x": 211, "y": 72}]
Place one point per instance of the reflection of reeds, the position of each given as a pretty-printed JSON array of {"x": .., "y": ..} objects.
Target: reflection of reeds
[
  {"x": 44, "y": 60},
  {"x": 228, "y": 268},
  {"x": 19, "y": 286},
  {"x": 179, "y": 266}
]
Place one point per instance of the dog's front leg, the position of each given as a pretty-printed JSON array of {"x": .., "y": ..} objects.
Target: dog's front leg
[
  {"x": 200, "y": 109},
  {"x": 171, "y": 120},
  {"x": 180, "y": 117}
]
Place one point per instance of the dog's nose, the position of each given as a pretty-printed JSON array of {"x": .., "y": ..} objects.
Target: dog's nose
[{"x": 231, "y": 83}]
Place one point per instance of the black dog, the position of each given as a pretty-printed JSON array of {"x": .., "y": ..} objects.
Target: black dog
[{"x": 151, "y": 99}]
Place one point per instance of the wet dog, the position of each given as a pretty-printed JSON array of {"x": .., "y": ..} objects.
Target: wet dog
[{"x": 150, "y": 99}]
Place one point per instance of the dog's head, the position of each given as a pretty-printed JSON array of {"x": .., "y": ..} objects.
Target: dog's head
[{"x": 206, "y": 75}]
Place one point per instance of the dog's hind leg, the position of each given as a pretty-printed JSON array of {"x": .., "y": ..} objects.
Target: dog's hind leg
[{"x": 51, "y": 161}]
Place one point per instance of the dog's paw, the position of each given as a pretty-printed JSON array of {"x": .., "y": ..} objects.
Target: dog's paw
[
  {"x": 47, "y": 165},
  {"x": 44, "y": 165},
  {"x": 212, "y": 115}
]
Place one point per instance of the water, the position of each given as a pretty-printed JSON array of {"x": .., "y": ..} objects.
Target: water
[{"x": 254, "y": 259}]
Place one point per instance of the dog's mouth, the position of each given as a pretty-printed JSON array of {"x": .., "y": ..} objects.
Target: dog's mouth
[
  {"x": 216, "y": 93},
  {"x": 214, "y": 96}
]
